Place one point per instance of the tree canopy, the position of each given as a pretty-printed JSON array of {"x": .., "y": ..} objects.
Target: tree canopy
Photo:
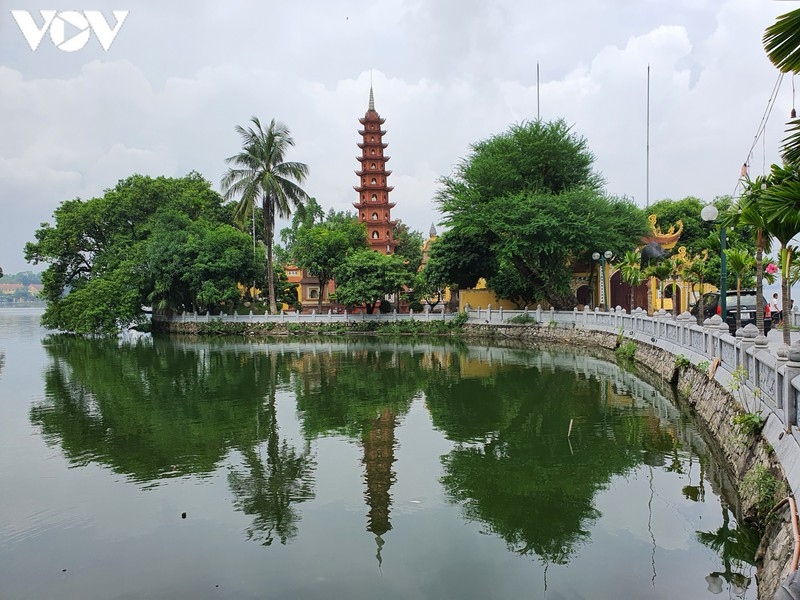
[
  {"x": 530, "y": 197},
  {"x": 322, "y": 247},
  {"x": 365, "y": 277},
  {"x": 165, "y": 241}
]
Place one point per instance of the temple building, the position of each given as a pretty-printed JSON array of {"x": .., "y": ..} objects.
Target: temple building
[{"x": 373, "y": 206}]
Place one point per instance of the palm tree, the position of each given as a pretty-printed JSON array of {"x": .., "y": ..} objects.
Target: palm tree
[
  {"x": 782, "y": 43},
  {"x": 661, "y": 270},
  {"x": 695, "y": 272},
  {"x": 260, "y": 171},
  {"x": 631, "y": 270},
  {"x": 781, "y": 206},
  {"x": 676, "y": 269},
  {"x": 747, "y": 211},
  {"x": 741, "y": 264}
]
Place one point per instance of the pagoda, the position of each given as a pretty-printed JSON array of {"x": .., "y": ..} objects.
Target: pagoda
[{"x": 374, "y": 208}]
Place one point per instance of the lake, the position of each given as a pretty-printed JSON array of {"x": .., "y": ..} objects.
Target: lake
[{"x": 349, "y": 468}]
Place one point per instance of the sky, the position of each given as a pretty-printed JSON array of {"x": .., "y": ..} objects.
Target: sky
[{"x": 166, "y": 95}]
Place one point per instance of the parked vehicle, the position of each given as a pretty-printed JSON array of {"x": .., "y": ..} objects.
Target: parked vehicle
[{"x": 748, "y": 308}]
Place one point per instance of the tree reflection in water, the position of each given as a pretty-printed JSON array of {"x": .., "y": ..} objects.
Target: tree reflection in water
[
  {"x": 270, "y": 492},
  {"x": 180, "y": 409},
  {"x": 170, "y": 410},
  {"x": 737, "y": 547}
]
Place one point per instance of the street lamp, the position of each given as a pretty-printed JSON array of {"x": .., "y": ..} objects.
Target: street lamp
[
  {"x": 603, "y": 258},
  {"x": 709, "y": 215}
]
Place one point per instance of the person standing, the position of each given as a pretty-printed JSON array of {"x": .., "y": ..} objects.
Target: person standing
[{"x": 775, "y": 310}]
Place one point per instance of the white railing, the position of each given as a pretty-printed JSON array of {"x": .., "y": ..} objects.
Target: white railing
[{"x": 312, "y": 317}]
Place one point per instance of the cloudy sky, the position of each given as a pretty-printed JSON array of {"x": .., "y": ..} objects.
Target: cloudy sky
[{"x": 180, "y": 74}]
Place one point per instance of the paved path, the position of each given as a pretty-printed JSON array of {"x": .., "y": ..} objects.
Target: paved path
[{"x": 775, "y": 338}]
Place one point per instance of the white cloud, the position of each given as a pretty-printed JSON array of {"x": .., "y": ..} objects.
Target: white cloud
[{"x": 179, "y": 77}]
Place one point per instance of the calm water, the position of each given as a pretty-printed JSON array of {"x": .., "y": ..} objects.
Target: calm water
[{"x": 348, "y": 469}]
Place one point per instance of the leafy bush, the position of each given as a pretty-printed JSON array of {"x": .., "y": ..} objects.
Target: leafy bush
[
  {"x": 459, "y": 320},
  {"x": 703, "y": 366},
  {"x": 523, "y": 319},
  {"x": 748, "y": 423},
  {"x": 626, "y": 350},
  {"x": 681, "y": 362},
  {"x": 766, "y": 490}
]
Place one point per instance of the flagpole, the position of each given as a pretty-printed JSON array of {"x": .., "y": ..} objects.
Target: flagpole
[{"x": 647, "y": 192}]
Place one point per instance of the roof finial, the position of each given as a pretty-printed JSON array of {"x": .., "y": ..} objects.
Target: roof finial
[
  {"x": 371, "y": 95},
  {"x": 432, "y": 232}
]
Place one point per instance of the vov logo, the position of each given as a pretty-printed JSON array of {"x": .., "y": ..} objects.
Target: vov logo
[{"x": 81, "y": 24}]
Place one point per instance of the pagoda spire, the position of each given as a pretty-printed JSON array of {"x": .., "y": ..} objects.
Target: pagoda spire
[{"x": 371, "y": 98}]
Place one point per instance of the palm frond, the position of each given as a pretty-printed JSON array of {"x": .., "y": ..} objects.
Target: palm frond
[
  {"x": 782, "y": 42},
  {"x": 791, "y": 143}
]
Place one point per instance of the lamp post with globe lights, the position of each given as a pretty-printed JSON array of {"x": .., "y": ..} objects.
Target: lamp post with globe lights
[
  {"x": 709, "y": 214},
  {"x": 603, "y": 258}
]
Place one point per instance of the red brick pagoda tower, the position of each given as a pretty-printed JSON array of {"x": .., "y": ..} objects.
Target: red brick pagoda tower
[{"x": 373, "y": 204}]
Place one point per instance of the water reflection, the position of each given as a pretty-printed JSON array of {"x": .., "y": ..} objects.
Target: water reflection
[
  {"x": 535, "y": 437},
  {"x": 737, "y": 547},
  {"x": 162, "y": 410},
  {"x": 362, "y": 394}
]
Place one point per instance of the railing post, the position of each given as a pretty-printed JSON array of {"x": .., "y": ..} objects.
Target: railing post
[
  {"x": 792, "y": 370},
  {"x": 746, "y": 340},
  {"x": 707, "y": 347}
]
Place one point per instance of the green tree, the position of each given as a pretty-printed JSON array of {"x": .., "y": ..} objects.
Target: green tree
[
  {"x": 782, "y": 44},
  {"x": 696, "y": 272},
  {"x": 99, "y": 275},
  {"x": 631, "y": 271},
  {"x": 460, "y": 258},
  {"x": 366, "y": 277},
  {"x": 260, "y": 171},
  {"x": 322, "y": 247},
  {"x": 741, "y": 263},
  {"x": 409, "y": 246},
  {"x": 747, "y": 211},
  {"x": 508, "y": 284},
  {"x": 197, "y": 265},
  {"x": 530, "y": 196},
  {"x": 780, "y": 203},
  {"x": 306, "y": 215},
  {"x": 662, "y": 270}
]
